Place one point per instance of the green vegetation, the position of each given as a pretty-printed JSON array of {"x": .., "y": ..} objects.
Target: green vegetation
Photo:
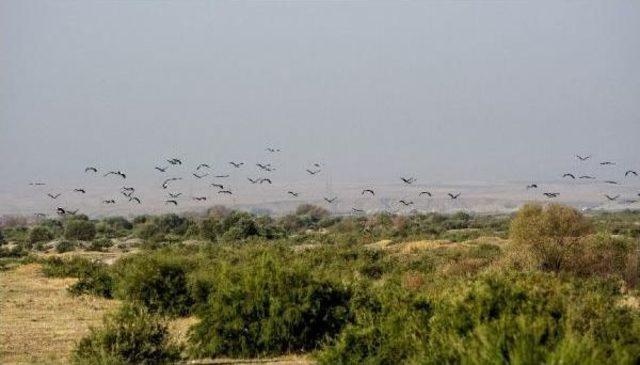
[{"x": 547, "y": 285}]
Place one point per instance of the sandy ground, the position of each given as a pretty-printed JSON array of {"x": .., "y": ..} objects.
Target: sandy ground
[{"x": 39, "y": 321}]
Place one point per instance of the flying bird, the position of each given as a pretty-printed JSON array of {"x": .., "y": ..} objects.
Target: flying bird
[
  {"x": 119, "y": 173},
  {"x": 236, "y": 164},
  {"x": 588, "y": 177},
  {"x": 630, "y": 172},
  {"x": 532, "y": 186},
  {"x": 569, "y": 175},
  {"x": 174, "y": 195},
  {"x": 253, "y": 181},
  {"x": 611, "y": 182},
  {"x": 165, "y": 184},
  {"x": 551, "y": 195},
  {"x": 221, "y": 176},
  {"x": 80, "y": 191},
  {"x": 368, "y": 191},
  {"x": 90, "y": 168},
  {"x": 110, "y": 201},
  {"x": 171, "y": 202},
  {"x": 39, "y": 215},
  {"x": 37, "y": 184},
  {"x": 356, "y": 210},
  {"x": 228, "y": 192},
  {"x": 219, "y": 186},
  {"x": 199, "y": 176},
  {"x": 408, "y": 180},
  {"x": 583, "y": 158},
  {"x": 174, "y": 161},
  {"x": 425, "y": 193},
  {"x": 611, "y": 198},
  {"x": 61, "y": 211},
  {"x": 128, "y": 188},
  {"x": 162, "y": 169},
  {"x": 203, "y": 165},
  {"x": 312, "y": 172},
  {"x": 199, "y": 198},
  {"x": 330, "y": 200},
  {"x": 127, "y": 193},
  {"x": 272, "y": 150},
  {"x": 52, "y": 196},
  {"x": 405, "y": 203},
  {"x": 294, "y": 194},
  {"x": 452, "y": 196},
  {"x": 135, "y": 199},
  {"x": 265, "y": 180},
  {"x": 607, "y": 163}
]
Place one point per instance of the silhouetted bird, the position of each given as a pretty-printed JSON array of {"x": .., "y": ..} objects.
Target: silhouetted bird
[
  {"x": 368, "y": 191},
  {"x": 425, "y": 193},
  {"x": 219, "y": 186},
  {"x": 583, "y": 158},
  {"x": 253, "y": 181},
  {"x": 80, "y": 191},
  {"x": 294, "y": 194},
  {"x": 162, "y": 169},
  {"x": 330, "y": 200},
  {"x": 52, "y": 196},
  {"x": 165, "y": 184},
  {"x": 109, "y": 201},
  {"x": 37, "y": 184},
  {"x": 607, "y": 163},
  {"x": 611, "y": 198},
  {"x": 128, "y": 188},
  {"x": 356, "y": 210},
  {"x": 551, "y": 195},
  {"x": 569, "y": 175},
  {"x": 90, "y": 168},
  {"x": 175, "y": 161},
  {"x": 452, "y": 196},
  {"x": 119, "y": 173},
  {"x": 135, "y": 199},
  {"x": 611, "y": 182},
  {"x": 265, "y": 180},
  {"x": 532, "y": 186},
  {"x": 236, "y": 164},
  {"x": 203, "y": 165},
  {"x": 408, "y": 180},
  {"x": 228, "y": 192},
  {"x": 171, "y": 202},
  {"x": 199, "y": 198},
  {"x": 61, "y": 211},
  {"x": 312, "y": 172},
  {"x": 221, "y": 176},
  {"x": 272, "y": 150},
  {"x": 630, "y": 172},
  {"x": 199, "y": 176},
  {"x": 588, "y": 177},
  {"x": 405, "y": 203},
  {"x": 174, "y": 195}
]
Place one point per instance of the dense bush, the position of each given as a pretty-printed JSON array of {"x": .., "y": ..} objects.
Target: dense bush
[
  {"x": 100, "y": 244},
  {"x": 158, "y": 282},
  {"x": 40, "y": 234},
  {"x": 65, "y": 246},
  {"x": 78, "y": 229},
  {"x": 129, "y": 336},
  {"x": 268, "y": 307},
  {"x": 551, "y": 232}
]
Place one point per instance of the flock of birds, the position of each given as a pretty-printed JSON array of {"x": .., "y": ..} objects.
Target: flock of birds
[{"x": 266, "y": 176}]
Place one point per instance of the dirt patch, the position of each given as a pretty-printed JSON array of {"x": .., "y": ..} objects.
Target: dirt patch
[{"x": 40, "y": 321}]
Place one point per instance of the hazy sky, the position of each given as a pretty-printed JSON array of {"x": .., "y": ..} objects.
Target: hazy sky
[{"x": 445, "y": 91}]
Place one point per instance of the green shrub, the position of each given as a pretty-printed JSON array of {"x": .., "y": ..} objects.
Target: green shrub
[
  {"x": 158, "y": 281},
  {"x": 78, "y": 229},
  {"x": 100, "y": 244},
  {"x": 40, "y": 234},
  {"x": 98, "y": 282},
  {"x": 266, "y": 308},
  {"x": 129, "y": 336},
  {"x": 2, "y": 241},
  {"x": 65, "y": 246},
  {"x": 74, "y": 267}
]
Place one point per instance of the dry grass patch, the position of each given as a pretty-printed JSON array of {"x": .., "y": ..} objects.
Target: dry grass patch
[{"x": 40, "y": 321}]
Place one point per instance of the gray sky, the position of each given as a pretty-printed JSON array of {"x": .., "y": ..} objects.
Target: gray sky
[{"x": 445, "y": 91}]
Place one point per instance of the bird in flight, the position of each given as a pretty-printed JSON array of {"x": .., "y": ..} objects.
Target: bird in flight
[
  {"x": 37, "y": 184},
  {"x": 253, "y": 181},
  {"x": 294, "y": 194},
  {"x": 199, "y": 176},
  {"x": 454, "y": 196},
  {"x": 356, "y": 210},
  {"x": 165, "y": 184},
  {"x": 330, "y": 200},
  {"x": 127, "y": 193},
  {"x": 588, "y": 177},
  {"x": 228, "y": 192},
  {"x": 90, "y": 168},
  {"x": 583, "y": 158},
  {"x": 611, "y": 182},
  {"x": 162, "y": 169},
  {"x": 551, "y": 195},
  {"x": 607, "y": 163},
  {"x": 128, "y": 188},
  {"x": 611, "y": 198},
  {"x": 174, "y": 161},
  {"x": 221, "y": 176},
  {"x": 368, "y": 191},
  {"x": 199, "y": 198},
  {"x": 630, "y": 172},
  {"x": 569, "y": 175},
  {"x": 219, "y": 186},
  {"x": 425, "y": 193},
  {"x": 532, "y": 186},
  {"x": 312, "y": 172},
  {"x": 272, "y": 150},
  {"x": 109, "y": 201},
  {"x": 171, "y": 201},
  {"x": 203, "y": 165},
  {"x": 135, "y": 199},
  {"x": 405, "y": 203},
  {"x": 174, "y": 195},
  {"x": 39, "y": 215},
  {"x": 236, "y": 164},
  {"x": 61, "y": 211},
  {"x": 408, "y": 180},
  {"x": 54, "y": 196},
  {"x": 119, "y": 173},
  {"x": 79, "y": 190},
  {"x": 265, "y": 180}
]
